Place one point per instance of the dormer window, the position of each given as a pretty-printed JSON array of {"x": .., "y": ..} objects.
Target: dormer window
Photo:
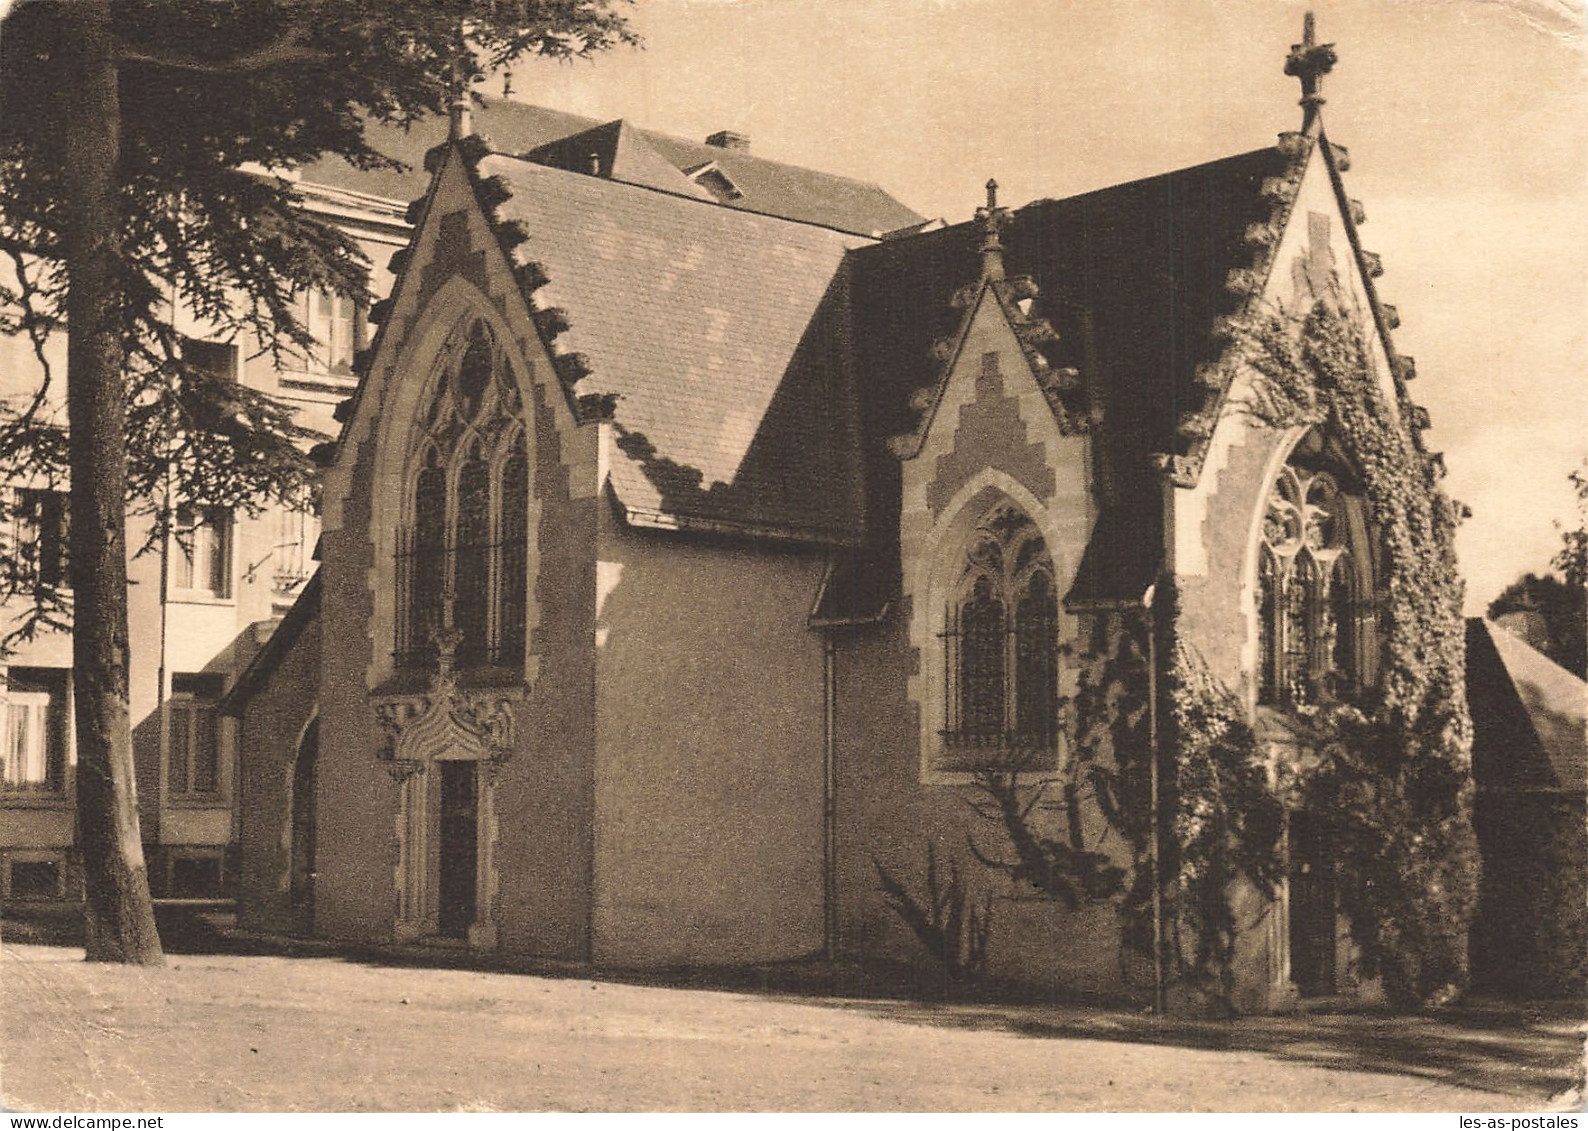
[{"x": 711, "y": 178}]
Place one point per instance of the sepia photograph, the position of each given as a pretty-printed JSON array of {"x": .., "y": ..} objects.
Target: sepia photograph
[{"x": 769, "y": 556}]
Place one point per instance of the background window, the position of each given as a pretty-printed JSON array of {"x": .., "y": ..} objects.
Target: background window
[
  {"x": 193, "y": 750},
  {"x": 332, "y": 320},
  {"x": 43, "y": 533},
  {"x": 34, "y": 728},
  {"x": 202, "y": 559}
]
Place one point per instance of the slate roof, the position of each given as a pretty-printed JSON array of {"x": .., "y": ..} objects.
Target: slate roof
[
  {"x": 769, "y": 187},
  {"x": 1529, "y": 715},
  {"x": 722, "y": 335},
  {"x": 1134, "y": 279},
  {"x": 619, "y": 153}
]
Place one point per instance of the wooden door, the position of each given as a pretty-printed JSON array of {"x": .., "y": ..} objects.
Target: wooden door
[
  {"x": 1313, "y": 908},
  {"x": 459, "y": 847}
]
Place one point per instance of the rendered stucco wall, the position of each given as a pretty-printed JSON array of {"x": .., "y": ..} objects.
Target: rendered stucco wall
[
  {"x": 886, "y": 815},
  {"x": 709, "y": 774},
  {"x": 268, "y": 737}
]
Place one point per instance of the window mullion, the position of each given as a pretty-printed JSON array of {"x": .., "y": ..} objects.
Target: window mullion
[
  {"x": 493, "y": 563},
  {"x": 1011, "y": 671}
]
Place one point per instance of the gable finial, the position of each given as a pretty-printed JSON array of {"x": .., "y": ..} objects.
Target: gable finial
[
  {"x": 1309, "y": 61},
  {"x": 992, "y": 249}
]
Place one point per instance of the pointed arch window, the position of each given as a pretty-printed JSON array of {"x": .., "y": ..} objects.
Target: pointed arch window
[
  {"x": 1314, "y": 587},
  {"x": 1001, "y": 672},
  {"x": 462, "y": 549}
]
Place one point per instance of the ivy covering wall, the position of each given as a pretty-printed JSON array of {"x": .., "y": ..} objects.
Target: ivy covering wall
[
  {"x": 1392, "y": 783},
  {"x": 1388, "y": 772}
]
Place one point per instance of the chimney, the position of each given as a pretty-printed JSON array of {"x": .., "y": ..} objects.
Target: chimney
[{"x": 728, "y": 139}]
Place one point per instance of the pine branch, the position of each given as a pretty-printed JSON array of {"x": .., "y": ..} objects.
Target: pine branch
[
  {"x": 37, "y": 326},
  {"x": 286, "y": 49}
]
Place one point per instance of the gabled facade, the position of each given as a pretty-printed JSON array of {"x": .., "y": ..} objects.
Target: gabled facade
[
  {"x": 689, "y": 564},
  {"x": 223, "y": 597}
]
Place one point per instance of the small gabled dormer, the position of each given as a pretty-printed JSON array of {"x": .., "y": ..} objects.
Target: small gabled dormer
[
  {"x": 995, "y": 513},
  {"x": 710, "y": 177}
]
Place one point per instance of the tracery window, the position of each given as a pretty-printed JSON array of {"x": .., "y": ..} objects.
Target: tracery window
[
  {"x": 1313, "y": 609},
  {"x": 462, "y": 550},
  {"x": 1001, "y": 670}
]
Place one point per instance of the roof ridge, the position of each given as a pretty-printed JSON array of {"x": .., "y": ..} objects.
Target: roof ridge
[
  {"x": 747, "y": 155},
  {"x": 616, "y": 184},
  {"x": 737, "y": 154},
  {"x": 1167, "y": 173}
]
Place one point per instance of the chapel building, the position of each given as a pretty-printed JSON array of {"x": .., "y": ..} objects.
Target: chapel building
[{"x": 703, "y": 529}]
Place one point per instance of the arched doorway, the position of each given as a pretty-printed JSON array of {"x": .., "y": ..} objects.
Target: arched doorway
[{"x": 303, "y": 779}]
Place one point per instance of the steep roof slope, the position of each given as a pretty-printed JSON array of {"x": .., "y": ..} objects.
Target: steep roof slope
[
  {"x": 768, "y": 187},
  {"x": 1530, "y": 715},
  {"x": 720, "y": 334},
  {"x": 619, "y": 153},
  {"x": 1132, "y": 277}
]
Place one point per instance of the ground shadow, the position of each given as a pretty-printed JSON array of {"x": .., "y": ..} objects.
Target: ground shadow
[
  {"x": 1533, "y": 1049},
  {"x": 1524, "y": 1049}
]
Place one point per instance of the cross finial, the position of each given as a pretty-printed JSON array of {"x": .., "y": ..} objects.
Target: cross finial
[
  {"x": 992, "y": 249},
  {"x": 1309, "y": 61}
]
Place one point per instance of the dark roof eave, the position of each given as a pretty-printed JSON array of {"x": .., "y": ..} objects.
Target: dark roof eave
[
  {"x": 269, "y": 658},
  {"x": 642, "y": 518}
]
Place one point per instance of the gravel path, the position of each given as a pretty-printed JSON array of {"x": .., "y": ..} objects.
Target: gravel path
[{"x": 231, "y": 1033}]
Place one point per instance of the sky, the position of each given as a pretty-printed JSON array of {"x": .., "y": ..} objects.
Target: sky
[{"x": 1467, "y": 123}]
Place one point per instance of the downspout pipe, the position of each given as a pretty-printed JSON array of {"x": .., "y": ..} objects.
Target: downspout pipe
[
  {"x": 829, "y": 796},
  {"x": 1159, "y": 975}
]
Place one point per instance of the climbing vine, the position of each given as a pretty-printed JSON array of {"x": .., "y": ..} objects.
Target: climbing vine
[
  {"x": 1105, "y": 717},
  {"x": 1392, "y": 778},
  {"x": 1218, "y": 820},
  {"x": 1225, "y": 824}
]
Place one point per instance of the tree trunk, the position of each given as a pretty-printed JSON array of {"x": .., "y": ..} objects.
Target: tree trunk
[{"x": 119, "y": 914}]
